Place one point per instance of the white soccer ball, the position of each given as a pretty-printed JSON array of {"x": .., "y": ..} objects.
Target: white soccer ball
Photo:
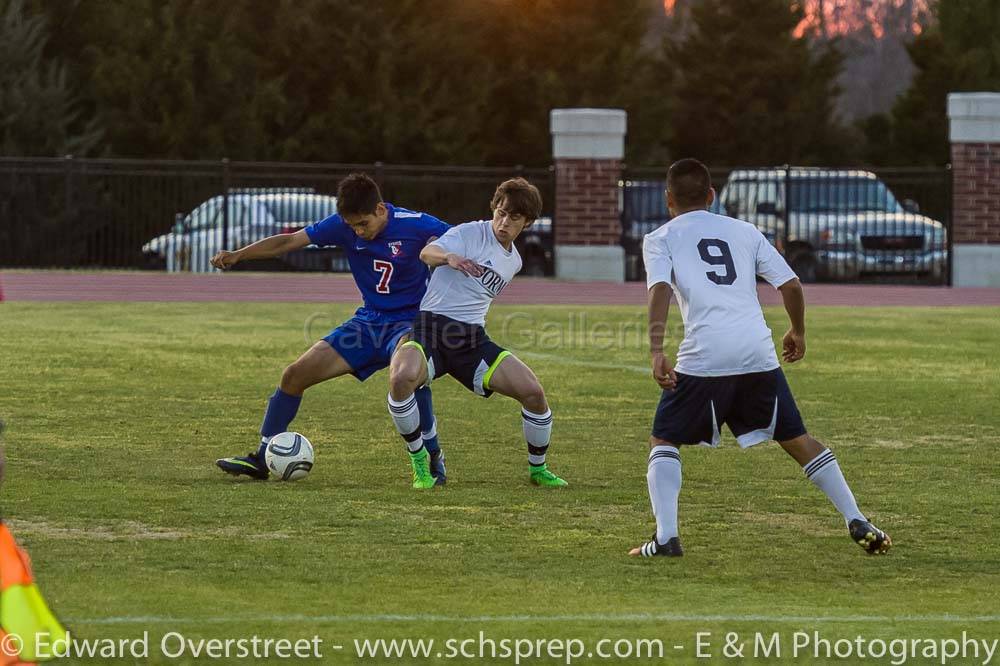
[{"x": 289, "y": 456}]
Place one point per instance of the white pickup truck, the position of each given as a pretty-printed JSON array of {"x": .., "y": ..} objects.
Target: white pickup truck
[{"x": 837, "y": 224}]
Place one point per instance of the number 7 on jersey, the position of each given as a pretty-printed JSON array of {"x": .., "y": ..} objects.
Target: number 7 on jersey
[{"x": 385, "y": 268}]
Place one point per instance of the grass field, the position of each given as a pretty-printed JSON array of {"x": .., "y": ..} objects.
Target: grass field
[{"x": 117, "y": 412}]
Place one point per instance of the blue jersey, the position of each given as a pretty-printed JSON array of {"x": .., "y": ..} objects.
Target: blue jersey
[{"x": 387, "y": 270}]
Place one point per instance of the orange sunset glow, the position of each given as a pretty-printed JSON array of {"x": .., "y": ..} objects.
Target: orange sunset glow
[{"x": 842, "y": 17}]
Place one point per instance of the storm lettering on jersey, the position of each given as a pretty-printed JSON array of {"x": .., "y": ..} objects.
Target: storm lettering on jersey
[{"x": 492, "y": 280}]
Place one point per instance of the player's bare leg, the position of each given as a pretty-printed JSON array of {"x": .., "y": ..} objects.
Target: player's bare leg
[
  {"x": 821, "y": 467},
  {"x": 318, "y": 364},
  {"x": 663, "y": 478},
  {"x": 407, "y": 372},
  {"x": 514, "y": 379}
]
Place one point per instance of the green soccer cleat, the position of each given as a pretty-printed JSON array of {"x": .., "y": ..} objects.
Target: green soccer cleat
[
  {"x": 422, "y": 477},
  {"x": 541, "y": 476}
]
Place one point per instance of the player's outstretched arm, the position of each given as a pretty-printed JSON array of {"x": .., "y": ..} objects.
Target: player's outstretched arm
[
  {"x": 794, "y": 343},
  {"x": 659, "y": 304},
  {"x": 435, "y": 255},
  {"x": 272, "y": 246}
]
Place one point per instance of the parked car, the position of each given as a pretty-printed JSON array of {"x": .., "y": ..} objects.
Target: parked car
[
  {"x": 253, "y": 214},
  {"x": 536, "y": 246},
  {"x": 839, "y": 224},
  {"x": 258, "y": 213},
  {"x": 643, "y": 208}
]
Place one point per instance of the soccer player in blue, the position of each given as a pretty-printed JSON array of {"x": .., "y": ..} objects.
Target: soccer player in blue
[{"x": 382, "y": 243}]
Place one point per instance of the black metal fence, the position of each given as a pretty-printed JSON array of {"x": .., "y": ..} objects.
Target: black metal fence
[
  {"x": 154, "y": 214},
  {"x": 850, "y": 224},
  {"x": 831, "y": 224}
]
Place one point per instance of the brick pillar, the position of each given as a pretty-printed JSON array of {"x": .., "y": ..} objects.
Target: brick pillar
[
  {"x": 974, "y": 120},
  {"x": 588, "y": 146}
]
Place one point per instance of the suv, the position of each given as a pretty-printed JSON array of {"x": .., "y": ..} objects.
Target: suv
[
  {"x": 253, "y": 214},
  {"x": 643, "y": 209},
  {"x": 839, "y": 224}
]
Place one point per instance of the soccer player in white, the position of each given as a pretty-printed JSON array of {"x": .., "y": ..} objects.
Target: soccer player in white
[
  {"x": 727, "y": 370},
  {"x": 472, "y": 264}
]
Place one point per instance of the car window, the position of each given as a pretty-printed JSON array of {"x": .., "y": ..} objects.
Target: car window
[
  {"x": 237, "y": 213},
  {"x": 841, "y": 195},
  {"x": 301, "y": 211},
  {"x": 204, "y": 216},
  {"x": 739, "y": 196},
  {"x": 257, "y": 214},
  {"x": 767, "y": 194}
]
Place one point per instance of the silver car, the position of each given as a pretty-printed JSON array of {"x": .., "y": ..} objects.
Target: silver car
[
  {"x": 252, "y": 214},
  {"x": 839, "y": 224}
]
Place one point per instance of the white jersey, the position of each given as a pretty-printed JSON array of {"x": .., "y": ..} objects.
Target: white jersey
[
  {"x": 454, "y": 294},
  {"x": 711, "y": 262}
]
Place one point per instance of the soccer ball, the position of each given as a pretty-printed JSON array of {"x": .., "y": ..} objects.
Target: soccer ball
[{"x": 289, "y": 456}]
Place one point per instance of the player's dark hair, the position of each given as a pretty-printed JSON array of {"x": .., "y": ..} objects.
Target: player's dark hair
[
  {"x": 522, "y": 198},
  {"x": 357, "y": 194},
  {"x": 689, "y": 181}
]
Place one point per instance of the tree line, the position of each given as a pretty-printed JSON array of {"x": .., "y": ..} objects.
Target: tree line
[{"x": 461, "y": 81}]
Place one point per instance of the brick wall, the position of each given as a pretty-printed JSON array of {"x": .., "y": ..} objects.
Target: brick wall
[
  {"x": 587, "y": 201},
  {"x": 976, "y": 192}
]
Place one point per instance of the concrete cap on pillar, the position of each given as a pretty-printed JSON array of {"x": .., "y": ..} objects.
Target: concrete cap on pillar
[
  {"x": 974, "y": 117},
  {"x": 588, "y": 133}
]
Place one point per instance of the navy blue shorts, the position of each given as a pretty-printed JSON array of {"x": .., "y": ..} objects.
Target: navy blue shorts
[
  {"x": 366, "y": 344},
  {"x": 757, "y": 407},
  {"x": 455, "y": 348}
]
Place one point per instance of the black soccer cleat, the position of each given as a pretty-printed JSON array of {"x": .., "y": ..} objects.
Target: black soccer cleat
[
  {"x": 438, "y": 470},
  {"x": 869, "y": 537},
  {"x": 251, "y": 465},
  {"x": 672, "y": 548}
]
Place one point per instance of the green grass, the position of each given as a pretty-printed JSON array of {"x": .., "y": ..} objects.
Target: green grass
[{"x": 117, "y": 411}]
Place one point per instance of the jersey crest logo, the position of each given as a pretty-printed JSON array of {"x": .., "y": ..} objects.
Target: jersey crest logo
[{"x": 396, "y": 247}]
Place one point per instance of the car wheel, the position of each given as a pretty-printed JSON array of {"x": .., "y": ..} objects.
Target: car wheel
[
  {"x": 804, "y": 265},
  {"x": 153, "y": 262}
]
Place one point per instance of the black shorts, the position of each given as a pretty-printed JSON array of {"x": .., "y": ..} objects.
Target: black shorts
[
  {"x": 455, "y": 348},
  {"x": 757, "y": 407}
]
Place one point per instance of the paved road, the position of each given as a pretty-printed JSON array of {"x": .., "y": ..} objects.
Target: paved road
[{"x": 326, "y": 288}]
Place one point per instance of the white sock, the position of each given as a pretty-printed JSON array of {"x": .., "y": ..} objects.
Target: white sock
[
  {"x": 537, "y": 432},
  {"x": 406, "y": 416},
  {"x": 824, "y": 471},
  {"x": 664, "y": 480}
]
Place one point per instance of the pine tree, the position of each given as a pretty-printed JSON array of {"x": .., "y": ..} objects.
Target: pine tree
[
  {"x": 961, "y": 53},
  {"x": 39, "y": 112},
  {"x": 749, "y": 91}
]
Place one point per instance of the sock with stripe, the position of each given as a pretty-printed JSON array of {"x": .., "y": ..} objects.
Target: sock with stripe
[
  {"x": 664, "y": 480},
  {"x": 825, "y": 473},
  {"x": 428, "y": 424},
  {"x": 406, "y": 416},
  {"x": 281, "y": 410},
  {"x": 537, "y": 431}
]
